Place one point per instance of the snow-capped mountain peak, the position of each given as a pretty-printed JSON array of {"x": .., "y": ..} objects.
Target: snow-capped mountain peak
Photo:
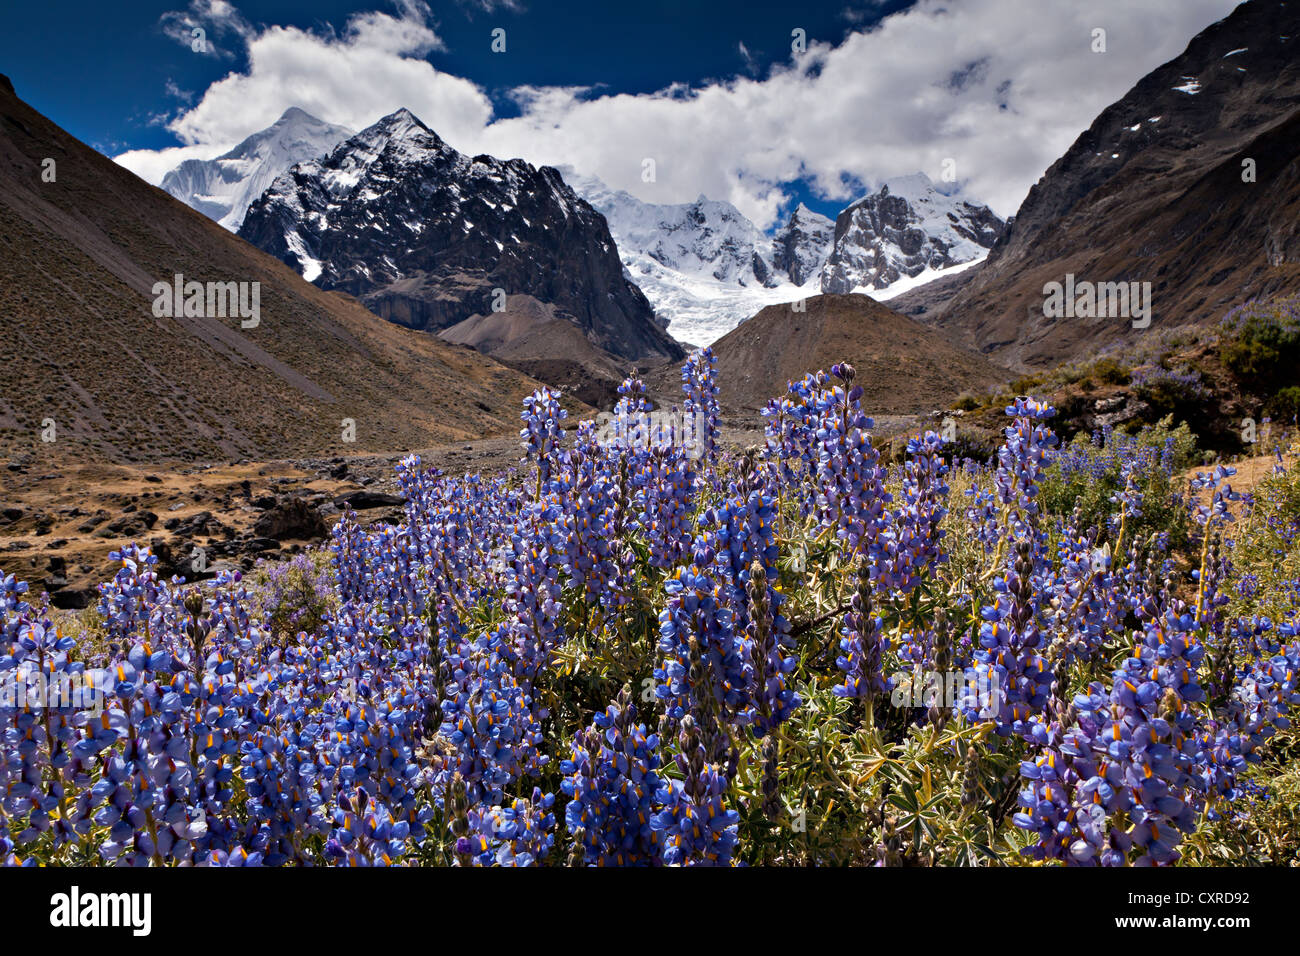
[
  {"x": 706, "y": 238},
  {"x": 914, "y": 187},
  {"x": 800, "y": 249},
  {"x": 408, "y": 138},
  {"x": 707, "y": 268},
  {"x": 903, "y": 230},
  {"x": 401, "y": 126},
  {"x": 428, "y": 237},
  {"x": 224, "y": 188},
  {"x": 703, "y": 264}
]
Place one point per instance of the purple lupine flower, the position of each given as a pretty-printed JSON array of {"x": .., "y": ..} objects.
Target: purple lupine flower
[
  {"x": 611, "y": 782},
  {"x": 694, "y": 824}
]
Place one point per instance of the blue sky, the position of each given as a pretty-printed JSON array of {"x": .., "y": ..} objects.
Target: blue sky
[
  {"x": 127, "y": 62},
  {"x": 709, "y": 88}
]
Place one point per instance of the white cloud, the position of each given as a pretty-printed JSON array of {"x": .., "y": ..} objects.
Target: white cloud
[
  {"x": 750, "y": 63},
  {"x": 1001, "y": 86},
  {"x": 152, "y": 165},
  {"x": 176, "y": 92},
  {"x": 862, "y": 11},
  {"x": 492, "y": 6},
  {"x": 215, "y": 19},
  {"x": 373, "y": 67}
]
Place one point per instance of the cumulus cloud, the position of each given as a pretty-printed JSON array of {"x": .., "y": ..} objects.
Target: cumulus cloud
[
  {"x": 152, "y": 165},
  {"x": 372, "y": 67},
  {"x": 1002, "y": 87}
]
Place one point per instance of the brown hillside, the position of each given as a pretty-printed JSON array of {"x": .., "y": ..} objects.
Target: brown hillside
[
  {"x": 902, "y": 366},
  {"x": 1157, "y": 191},
  {"x": 535, "y": 338},
  {"x": 78, "y": 261}
]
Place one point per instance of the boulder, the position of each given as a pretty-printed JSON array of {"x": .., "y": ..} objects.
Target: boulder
[
  {"x": 365, "y": 498},
  {"x": 291, "y": 518}
]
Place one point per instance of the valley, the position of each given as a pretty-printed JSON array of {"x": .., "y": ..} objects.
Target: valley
[{"x": 655, "y": 455}]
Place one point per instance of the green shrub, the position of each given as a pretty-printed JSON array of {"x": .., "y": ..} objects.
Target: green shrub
[
  {"x": 296, "y": 595},
  {"x": 1287, "y": 401},
  {"x": 1088, "y": 474},
  {"x": 1109, "y": 372},
  {"x": 1026, "y": 384},
  {"x": 1167, "y": 390},
  {"x": 1261, "y": 340}
]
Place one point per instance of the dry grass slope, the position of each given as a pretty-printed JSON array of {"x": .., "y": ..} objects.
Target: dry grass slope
[
  {"x": 903, "y": 367},
  {"x": 78, "y": 260}
]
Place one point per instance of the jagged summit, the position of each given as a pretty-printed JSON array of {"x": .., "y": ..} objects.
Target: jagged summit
[
  {"x": 707, "y": 268},
  {"x": 401, "y": 125},
  {"x": 703, "y": 264},
  {"x": 224, "y": 188},
  {"x": 800, "y": 249},
  {"x": 904, "y": 230},
  {"x": 429, "y": 237}
]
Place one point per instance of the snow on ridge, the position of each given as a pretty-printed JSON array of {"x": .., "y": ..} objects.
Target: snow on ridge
[
  {"x": 223, "y": 188},
  {"x": 704, "y": 266},
  {"x": 927, "y": 275},
  {"x": 907, "y": 212},
  {"x": 309, "y": 265}
]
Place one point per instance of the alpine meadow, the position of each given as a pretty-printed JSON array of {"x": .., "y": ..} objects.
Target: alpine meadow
[{"x": 470, "y": 434}]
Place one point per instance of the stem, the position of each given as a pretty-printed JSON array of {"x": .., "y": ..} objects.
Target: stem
[
  {"x": 153, "y": 835},
  {"x": 805, "y": 626},
  {"x": 1200, "y": 583},
  {"x": 1000, "y": 553}
]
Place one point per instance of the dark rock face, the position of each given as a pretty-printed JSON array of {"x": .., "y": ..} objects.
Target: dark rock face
[
  {"x": 291, "y": 518},
  {"x": 891, "y": 234},
  {"x": 800, "y": 249},
  {"x": 94, "y": 521},
  {"x": 73, "y": 599},
  {"x": 242, "y": 548},
  {"x": 202, "y": 523},
  {"x": 132, "y": 525},
  {"x": 363, "y": 500},
  {"x": 1154, "y": 191},
  {"x": 425, "y": 236}
]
